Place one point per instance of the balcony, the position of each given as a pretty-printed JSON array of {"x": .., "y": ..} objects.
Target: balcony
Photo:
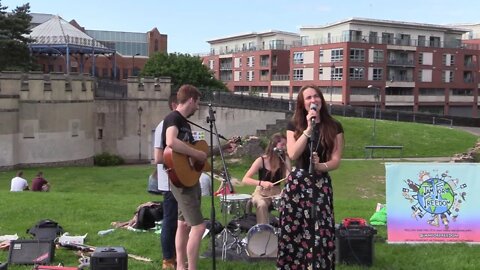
[
  {"x": 401, "y": 62},
  {"x": 225, "y": 66},
  {"x": 280, "y": 77}
]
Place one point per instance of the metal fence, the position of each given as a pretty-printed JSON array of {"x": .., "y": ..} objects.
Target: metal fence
[{"x": 274, "y": 104}]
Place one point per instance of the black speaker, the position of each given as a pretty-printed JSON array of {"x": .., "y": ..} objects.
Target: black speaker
[
  {"x": 109, "y": 258},
  {"x": 354, "y": 244},
  {"x": 31, "y": 252}
]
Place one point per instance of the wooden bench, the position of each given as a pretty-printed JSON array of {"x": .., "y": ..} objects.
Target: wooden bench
[{"x": 371, "y": 148}]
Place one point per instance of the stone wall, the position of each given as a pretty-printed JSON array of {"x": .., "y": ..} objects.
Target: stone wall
[{"x": 54, "y": 119}]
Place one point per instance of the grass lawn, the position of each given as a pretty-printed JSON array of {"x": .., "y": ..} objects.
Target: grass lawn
[{"x": 87, "y": 199}]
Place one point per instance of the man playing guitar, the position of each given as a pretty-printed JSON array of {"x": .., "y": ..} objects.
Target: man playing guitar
[{"x": 177, "y": 135}]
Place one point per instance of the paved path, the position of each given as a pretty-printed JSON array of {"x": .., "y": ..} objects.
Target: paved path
[{"x": 473, "y": 130}]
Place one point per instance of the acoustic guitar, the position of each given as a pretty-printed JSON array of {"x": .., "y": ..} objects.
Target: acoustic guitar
[{"x": 181, "y": 170}]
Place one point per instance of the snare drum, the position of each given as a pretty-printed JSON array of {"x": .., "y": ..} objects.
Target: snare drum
[
  {"x": 262, "y": 241},
  {"x": 234, "y": 204}
]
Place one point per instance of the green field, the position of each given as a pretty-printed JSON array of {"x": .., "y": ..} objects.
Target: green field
[{"x": 87, "y": 199}]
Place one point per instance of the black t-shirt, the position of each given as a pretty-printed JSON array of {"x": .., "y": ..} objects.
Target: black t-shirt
[
  {"x": 184, "y": 131},
  {"x": 304, "y": 160}
]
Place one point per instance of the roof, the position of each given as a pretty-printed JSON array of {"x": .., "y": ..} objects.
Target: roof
[
  {"x": 59, "y": 34},
  {"x": 391, "y": 23},
  {"x": 253, "y": 35}
]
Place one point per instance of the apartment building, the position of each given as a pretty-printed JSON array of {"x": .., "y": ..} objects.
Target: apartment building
[
  {"x": 257, "y": 62},
  {"x": 395, "y": 65}
]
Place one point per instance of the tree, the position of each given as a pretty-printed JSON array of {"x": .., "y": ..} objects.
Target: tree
[
  {"x": 182, "y": 69},
  {"x": 14, "y": 52}
]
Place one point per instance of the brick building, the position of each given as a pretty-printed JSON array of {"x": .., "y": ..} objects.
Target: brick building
[
  {"x": 119, "y": 55},
  {"x": 363, "y": 62}
]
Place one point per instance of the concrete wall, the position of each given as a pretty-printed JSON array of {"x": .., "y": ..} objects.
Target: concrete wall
[
  {"x": 54, "y": 119},
  {"x": 45, "y": 119}
]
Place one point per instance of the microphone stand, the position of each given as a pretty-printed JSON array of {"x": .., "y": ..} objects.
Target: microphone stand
[
  {"x": 211, "y": 120},
  {"x": 313, "y": 211},
  {"x": 226, "y": 183}
]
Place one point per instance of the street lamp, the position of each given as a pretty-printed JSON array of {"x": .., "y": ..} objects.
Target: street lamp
[
  {"x": 139, "y": 132},
  {"x": 133, "y": 63},
  {"x": 376, "y": 97}
]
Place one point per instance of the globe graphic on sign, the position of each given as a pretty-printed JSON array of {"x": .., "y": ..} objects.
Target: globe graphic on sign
[{"x": 435, "y": 196}]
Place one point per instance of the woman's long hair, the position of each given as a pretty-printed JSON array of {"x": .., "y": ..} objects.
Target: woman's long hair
[
  {"x": 275, "y": 162},
  {"x": 328, "y": 126}
]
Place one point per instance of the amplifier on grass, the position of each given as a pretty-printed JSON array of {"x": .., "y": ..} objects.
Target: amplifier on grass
[
  {"x": 31, "y": 252},
  {"x": 354, "y": 243},
  {"x": 109, "y": 258}
]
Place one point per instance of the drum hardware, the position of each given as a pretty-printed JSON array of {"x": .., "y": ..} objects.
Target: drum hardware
[{"x": 232, "y": 204}]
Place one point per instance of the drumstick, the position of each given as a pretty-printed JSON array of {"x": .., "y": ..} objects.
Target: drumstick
[{"x": 281, "y": 180}]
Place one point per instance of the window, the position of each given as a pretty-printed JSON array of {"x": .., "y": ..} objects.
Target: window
[
  {"x": 211, "y": 64},
  {"x": 434, "y": 41},
  {"x": 448, "y": 76},
  {"x": 461, "y": 92},
  {"x": 420, "y": 58},
  {"x": 237, "y": 62},
  {"x": 298, "y": 58},
  {"x": 431, "y": 92},
  {"x": 378, "y": 56},
  {"x": 304, "y": 40},
  {"x": 250, "y": 75},
  {"x": 421, "y": 41},
  {"x": 377, "y": 74},
  {"x": 320, "y": 56},
  {"x": 337, "y": 55},
  {"x": 387, "y": 38},
  {"x": 250, "y": 61},
  {"x": 448, "y": 59},
  {"x": 298, "y": 74},
  {"x": 357, "y": 55},
  {"x": 373, "y": 37},
  {"x": 404, "y": 40},
  {"x": 356, "y": 73},
  {"x": 337, "y": 74}
]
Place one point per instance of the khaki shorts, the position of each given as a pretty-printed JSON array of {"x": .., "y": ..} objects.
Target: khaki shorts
[{"x": 189, "y": 204}]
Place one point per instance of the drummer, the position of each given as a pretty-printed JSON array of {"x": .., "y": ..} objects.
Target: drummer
[{"x": 272, "y": 168}]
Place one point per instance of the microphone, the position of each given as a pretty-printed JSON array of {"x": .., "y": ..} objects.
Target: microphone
[
  {"x": 313, "y": 106},
  {"x": 279, "y": 153},
  {"x": 278, "y": 150}
]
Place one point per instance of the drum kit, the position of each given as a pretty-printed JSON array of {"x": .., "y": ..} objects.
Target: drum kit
[{"x": 260, "y": 241}]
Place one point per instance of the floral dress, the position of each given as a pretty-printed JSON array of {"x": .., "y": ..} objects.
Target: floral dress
[
  {"x": 297, "y": 227},
  {"x": 307, "y": 234}
]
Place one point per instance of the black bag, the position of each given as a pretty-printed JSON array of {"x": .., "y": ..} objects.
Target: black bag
[
  {"x": 46, "y": 229},
  {"x": 217, "y": 228},
  {"x": 148, "y": 215}
]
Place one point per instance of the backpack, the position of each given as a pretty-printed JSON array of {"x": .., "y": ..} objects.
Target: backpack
[
  {"x": 147, "y": 214},
  {"x": 46, "y": 229}
]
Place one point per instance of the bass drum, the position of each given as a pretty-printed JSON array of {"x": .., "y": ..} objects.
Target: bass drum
[{"x": 262, "y": 242}]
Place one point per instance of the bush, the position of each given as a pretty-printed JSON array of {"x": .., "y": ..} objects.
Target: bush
[{"x": 106, "y": 159}]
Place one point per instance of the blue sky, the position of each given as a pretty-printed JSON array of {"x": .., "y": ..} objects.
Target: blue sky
[{"x": 190, "y": 23}]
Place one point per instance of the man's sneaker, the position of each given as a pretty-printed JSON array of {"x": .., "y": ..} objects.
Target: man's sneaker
[{"x": 168, "y": 264}]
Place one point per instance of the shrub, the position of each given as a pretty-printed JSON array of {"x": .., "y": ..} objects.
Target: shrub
[{"x": 107, "y": 159}]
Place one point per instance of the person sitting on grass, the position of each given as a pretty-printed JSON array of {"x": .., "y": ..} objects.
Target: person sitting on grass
[
  {"x": 39, "y": 183},
  {"x": 18, "y": 183}
]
